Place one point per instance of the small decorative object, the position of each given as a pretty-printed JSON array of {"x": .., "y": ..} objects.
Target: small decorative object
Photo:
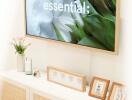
[
  {"x": 20, "y": 47},
  {"x": 28, "y": 66},
  {"x": 36, "y": 72},
  {"x": 99, "y": 87},
  {"x": 67, "y": 79},
  {"x": 117, "y": 92}
]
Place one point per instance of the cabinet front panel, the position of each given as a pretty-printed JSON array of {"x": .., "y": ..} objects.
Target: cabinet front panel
[{"x": 12, "y": 92}]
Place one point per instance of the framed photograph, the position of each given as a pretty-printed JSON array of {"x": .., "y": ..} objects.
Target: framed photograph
[
  {"x": 66, "y": 78},
  {"x": 117, "y": 92},
  {"x": 89, "y": 23},
  {"x": 99, "y": 87}
]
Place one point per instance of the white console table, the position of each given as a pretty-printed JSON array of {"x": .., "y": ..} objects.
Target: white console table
[{"x": 28, "y": 87}]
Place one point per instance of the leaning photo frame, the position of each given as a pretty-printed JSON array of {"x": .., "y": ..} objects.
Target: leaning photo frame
[
  {"x": 99, "y": 87},
  {"x": 117, "y": 92}
]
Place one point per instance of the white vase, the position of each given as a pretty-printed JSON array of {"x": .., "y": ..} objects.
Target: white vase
[{"x": 20, "y": 62}]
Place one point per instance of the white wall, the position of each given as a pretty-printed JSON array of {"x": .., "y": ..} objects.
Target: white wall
[{"x": 46, "y": 53}]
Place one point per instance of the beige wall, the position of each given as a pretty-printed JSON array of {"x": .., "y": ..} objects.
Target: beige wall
[{"x": 46, "y": 53}]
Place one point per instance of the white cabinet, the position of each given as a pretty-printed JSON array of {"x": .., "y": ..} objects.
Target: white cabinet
[
  {"x": 18, "y": 86},
  {"x": 11, "y": 91}
]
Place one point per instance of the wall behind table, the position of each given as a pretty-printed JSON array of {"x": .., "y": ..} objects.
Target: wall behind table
[{"x": 46, "y": 53}]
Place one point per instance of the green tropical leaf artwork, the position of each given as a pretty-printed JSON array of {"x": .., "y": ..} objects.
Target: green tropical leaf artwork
[{"x": 89, "y": 23}]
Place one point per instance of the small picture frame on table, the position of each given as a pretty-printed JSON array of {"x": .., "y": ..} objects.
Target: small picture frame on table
[
  {"x": 99, "y": 87},
  {"x": 65, "y": 78},
  {"x": 117, "y": 92}
]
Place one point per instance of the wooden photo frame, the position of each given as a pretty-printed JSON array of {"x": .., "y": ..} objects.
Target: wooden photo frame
[
  {"x": 99, "y": 87},
  {"x": 104, "y": 38},
  {"x": 117, "y": 92},
  {"x": 66, "y": 78}
]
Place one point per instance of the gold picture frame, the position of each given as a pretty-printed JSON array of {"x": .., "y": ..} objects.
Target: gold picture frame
[
  {"x": 65, "y": 78},
  {"x": 99, "y": 87},
  {"x": 117, "y": 92}
]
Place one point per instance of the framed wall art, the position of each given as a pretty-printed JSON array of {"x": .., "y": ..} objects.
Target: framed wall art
[
  {"x": 117, "y": 92},
  {"x": 66, "y": 78},
  {"x": 99, "y": 87},
  {"x": 89, "y": 23}
]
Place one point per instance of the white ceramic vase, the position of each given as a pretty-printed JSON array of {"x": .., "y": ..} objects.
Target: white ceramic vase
[{"x": 20, "y": 62}]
